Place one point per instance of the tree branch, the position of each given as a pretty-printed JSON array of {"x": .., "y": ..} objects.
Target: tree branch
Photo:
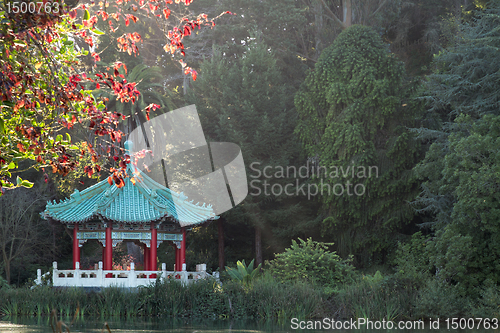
[
  {"x": 379, "y": 7},
  {"x": 334, "y": 17}
]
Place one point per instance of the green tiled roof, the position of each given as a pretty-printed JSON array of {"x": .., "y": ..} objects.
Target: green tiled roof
[{"x": 142, "y": 202}]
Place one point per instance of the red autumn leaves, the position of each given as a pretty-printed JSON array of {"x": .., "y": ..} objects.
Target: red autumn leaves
[{"x": 36, "y": 91}]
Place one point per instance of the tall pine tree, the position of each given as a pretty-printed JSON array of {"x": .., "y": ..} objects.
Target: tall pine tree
[{"x": 245, "y": 99}]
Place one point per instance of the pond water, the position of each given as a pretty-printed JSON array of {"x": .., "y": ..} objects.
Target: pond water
[
  {"x": 25, "y": 325},
  {"x": 42, "y": 325}
]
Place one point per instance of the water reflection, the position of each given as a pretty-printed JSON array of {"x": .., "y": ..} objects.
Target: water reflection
[{"x": 41, "y": 324}]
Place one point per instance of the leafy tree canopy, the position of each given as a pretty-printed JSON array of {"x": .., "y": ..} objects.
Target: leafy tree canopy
[{"x": 44, "y": 90}]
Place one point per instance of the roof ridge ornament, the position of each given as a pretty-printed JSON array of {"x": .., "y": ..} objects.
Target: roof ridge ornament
[
  {"x": 129, "y": 147},
  {"x": 189, "y": 163},
  {"x": 76, "y": 194}
]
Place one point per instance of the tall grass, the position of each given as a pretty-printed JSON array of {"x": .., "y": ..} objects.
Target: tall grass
[
  {"x": 375, "y": 297},
  {"x": 264, "y": 299},
  {"x": 380, "y": 298}
]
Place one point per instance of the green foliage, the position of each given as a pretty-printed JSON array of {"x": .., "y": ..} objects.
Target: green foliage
[
  {"x": 31, "y": 125},
  {"x": 466, "y": 74},
  {"x": 412, "y": 259},
  {"x": 460, "y": 170},
  {"x": 465, "y": 81},
  {"x": 244, "y": 274},
  {"x": 466, "y": 249},
  {"x": 378, "y": 297},
  {"x": 439, "y": 299},
  {"x": 352, "y": 108},
  {"x": 311, "y": 262},
  {"x": 431, "y": 295},
  {"x": 246, "y": 100},
  {"x": 267, "y": 299},
  {"x": 488, "y": 304},
  {"x": 3, "y": 283}
]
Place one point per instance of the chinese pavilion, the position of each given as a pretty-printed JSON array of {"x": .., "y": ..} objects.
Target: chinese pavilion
[{"x": 142, "y": 211}]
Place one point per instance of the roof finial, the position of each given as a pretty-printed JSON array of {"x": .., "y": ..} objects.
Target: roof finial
[{"x": 129, "y": 146}]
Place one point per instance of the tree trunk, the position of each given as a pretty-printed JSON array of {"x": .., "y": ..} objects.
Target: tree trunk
[
  {"x": 318, "y": 22},
  {"x": 258, "y": 246},
  {"x": 347, "y": 9},
  {"x": 220, "y": 232},
  {"x": 7, "y": 270}
]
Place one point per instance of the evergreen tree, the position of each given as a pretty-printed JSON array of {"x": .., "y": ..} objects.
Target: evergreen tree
[
  {"x": 465, "y": 81},
  {"x": 467, "y": 250},
  {"x": 459, "y": 177},
  {"x": 352, "y": 122},
  {"x": 244, "y": 100}
]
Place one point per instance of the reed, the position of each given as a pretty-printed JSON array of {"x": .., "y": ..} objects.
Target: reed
[
  {"x": 264, "y": 298},
  {"x": 386, "y": 298}
]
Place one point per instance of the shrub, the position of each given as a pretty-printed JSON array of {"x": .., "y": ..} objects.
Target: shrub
[
  {"x": 488, "y": 304},
  {"x": 311, "y": 262},
  {"x": 439, "y": 299},
  {"x": 412, "y": 259}
]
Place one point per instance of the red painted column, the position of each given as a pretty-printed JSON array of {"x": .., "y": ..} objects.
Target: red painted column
[
  {"x": 177, "y": 258},
  {"x": 76, "y": 247},
  {"x": 152, "y": 255},
  {"x": 108, "y": 265},
  {"x": 146, "y": 258},
  {"x": 183, "y": 249}
]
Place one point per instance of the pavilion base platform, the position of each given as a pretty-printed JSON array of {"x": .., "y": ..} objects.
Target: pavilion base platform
[{"x": 100, "y": 278}]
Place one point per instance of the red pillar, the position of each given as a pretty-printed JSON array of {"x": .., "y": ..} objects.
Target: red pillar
[
  {"x": 146, "y": 258},
  {"x": 177, "y": 258},
  {"x": 152, "y": 255},
  {"x": 76, "y": 247},
  {"x": 183, "y": 249},
  {"x": 108, "y": 252}
]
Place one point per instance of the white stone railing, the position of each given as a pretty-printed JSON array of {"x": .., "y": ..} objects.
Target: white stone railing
[{"x": 125, "y": 278}]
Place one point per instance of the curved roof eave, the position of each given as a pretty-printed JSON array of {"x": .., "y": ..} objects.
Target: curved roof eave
[{"x": 150, "y": 202}]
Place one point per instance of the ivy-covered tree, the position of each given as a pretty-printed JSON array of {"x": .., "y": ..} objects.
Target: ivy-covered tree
[{"x": 353, "y": 113}]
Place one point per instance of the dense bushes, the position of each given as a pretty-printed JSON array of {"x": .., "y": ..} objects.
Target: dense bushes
[{"x": 311, "y": 262}]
